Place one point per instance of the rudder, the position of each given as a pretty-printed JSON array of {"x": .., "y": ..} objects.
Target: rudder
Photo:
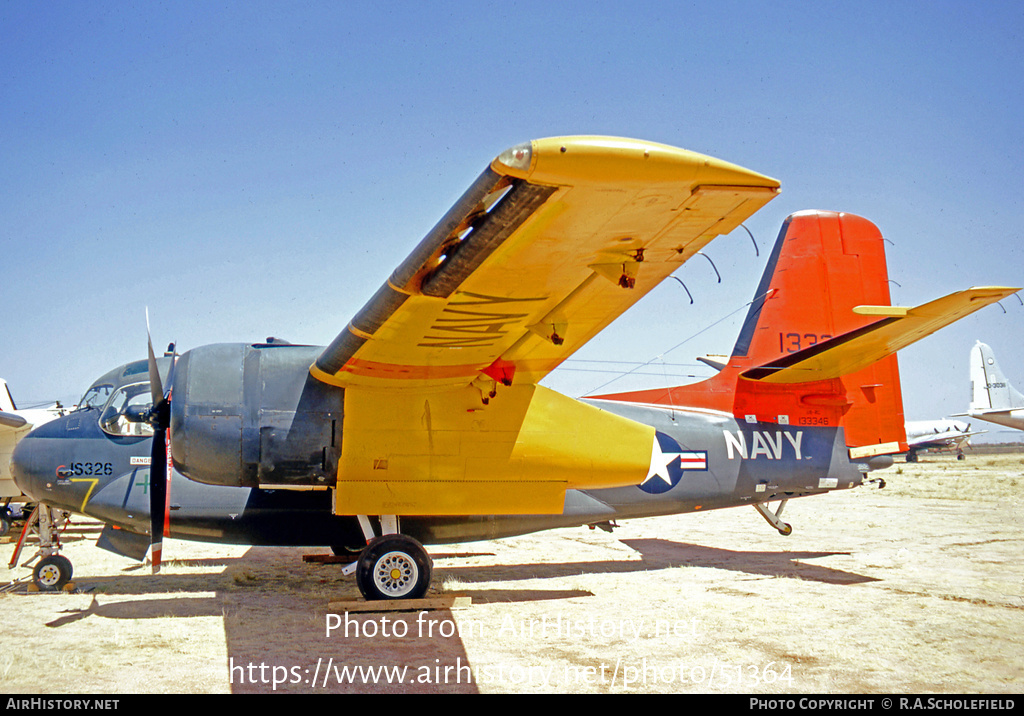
[{"x": 823, "y": 265}]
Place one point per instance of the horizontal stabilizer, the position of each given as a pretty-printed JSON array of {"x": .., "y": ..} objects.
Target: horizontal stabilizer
[
  {"x": 896, "y": 328},
  {"x": 984, "y": 413},
  {"x": 716, "y": 362}
]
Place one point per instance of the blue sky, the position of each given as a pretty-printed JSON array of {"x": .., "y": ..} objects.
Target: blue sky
[{"x": 253, "y": 169}]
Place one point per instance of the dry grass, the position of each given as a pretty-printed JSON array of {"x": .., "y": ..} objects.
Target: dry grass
[{"x": 915, "y": 588}]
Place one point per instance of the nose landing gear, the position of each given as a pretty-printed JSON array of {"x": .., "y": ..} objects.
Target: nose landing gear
[{"x": 53, "y": 571}]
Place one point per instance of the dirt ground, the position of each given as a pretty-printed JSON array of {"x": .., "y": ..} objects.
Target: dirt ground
[{"x": 918, "y": 587}]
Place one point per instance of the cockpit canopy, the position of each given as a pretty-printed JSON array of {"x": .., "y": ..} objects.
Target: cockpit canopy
[
  {"x": 123, "y": 413},
  {"x": 123, "y": 397}
]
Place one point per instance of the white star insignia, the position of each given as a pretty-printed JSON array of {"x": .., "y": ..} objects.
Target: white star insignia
[{"x": 659, "y": 463}]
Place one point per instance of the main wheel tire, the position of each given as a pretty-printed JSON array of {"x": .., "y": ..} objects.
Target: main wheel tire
[
  {"x": 393, "y": 567},
  {"x": 343, "y": 550},
  {"x": 52, "y": 573}
]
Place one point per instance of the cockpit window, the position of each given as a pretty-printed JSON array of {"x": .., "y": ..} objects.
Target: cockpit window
[
  {"x": 139, "y": 366},
  {"x": 95, "y": 397},
  {"x": 123, "y": 413}
]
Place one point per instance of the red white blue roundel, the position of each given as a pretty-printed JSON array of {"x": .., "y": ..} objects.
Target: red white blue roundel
[{"x": 668, "y": 463}]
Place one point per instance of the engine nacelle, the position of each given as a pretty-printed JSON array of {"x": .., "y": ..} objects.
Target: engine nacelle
[{"x": 249, "y": 415}]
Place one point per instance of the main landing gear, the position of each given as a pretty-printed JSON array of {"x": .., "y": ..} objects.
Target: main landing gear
[{"x": 393, "y": 565}]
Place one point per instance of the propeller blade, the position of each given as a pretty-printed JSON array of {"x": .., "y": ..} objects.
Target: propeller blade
[
  {"x": 157, "y": 495},
  {"x": 156, "y": 388},
  {"x": 159, "y": 464}
]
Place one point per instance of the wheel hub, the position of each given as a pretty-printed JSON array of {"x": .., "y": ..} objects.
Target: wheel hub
[
  {"x": 395, "y": 574},
  {"x": 49, "y": 575}
]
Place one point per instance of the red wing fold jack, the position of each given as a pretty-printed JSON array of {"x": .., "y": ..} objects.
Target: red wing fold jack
[{"x": 423, "y": 422}]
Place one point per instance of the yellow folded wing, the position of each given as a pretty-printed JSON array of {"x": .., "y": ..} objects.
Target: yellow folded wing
[{"x": 552, "y": 242}]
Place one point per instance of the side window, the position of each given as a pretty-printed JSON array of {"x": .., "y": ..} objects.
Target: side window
[{"x": 122, "y": 415}]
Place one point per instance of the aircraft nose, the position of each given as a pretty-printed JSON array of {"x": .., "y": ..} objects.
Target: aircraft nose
[{"x": 24, "y": 469}]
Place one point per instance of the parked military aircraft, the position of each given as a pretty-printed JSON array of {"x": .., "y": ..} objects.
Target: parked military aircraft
[
  {"x": 423, "y": 421},
  {"x": 925, "y": 435},
  {"x": 993, "y": 397}
]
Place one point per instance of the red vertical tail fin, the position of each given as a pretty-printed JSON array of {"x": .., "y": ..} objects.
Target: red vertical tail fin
[{"x": 823, "y": 266}]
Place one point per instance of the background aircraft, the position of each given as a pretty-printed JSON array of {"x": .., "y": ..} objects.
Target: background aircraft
[
  {"x": 423, "y": 421},
  {"x": 14, "y": 425},
  {"x": 993, "y": 397},
  {"x": 925, "y": 435}
]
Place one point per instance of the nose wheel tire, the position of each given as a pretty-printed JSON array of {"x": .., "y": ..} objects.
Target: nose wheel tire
[
  {"x": 52, "y": 573},
  {"x": 393, "y": 566}
]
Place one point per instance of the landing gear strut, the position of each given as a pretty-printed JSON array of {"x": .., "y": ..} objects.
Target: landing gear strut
[
  {"x": 785, "y": 529},
  {"x": 53, "y": 570}
]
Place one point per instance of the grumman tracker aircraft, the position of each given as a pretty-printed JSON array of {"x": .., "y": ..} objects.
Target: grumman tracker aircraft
[
  {"x": 423, "y": 421},
  {"x": 938, "y": 435}
]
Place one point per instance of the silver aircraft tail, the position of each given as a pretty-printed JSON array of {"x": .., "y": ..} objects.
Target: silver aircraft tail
[
  {"x": 990, "y": 390},
  {"x": 993, "y": 397}
]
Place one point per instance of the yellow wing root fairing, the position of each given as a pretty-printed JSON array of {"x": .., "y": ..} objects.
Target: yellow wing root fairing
[{"x": 437, "y": 453}]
